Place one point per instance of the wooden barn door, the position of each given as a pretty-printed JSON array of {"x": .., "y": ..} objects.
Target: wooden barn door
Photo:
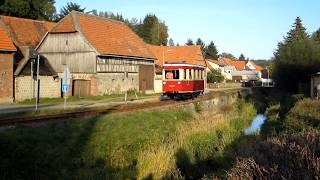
[
  {"x": 146, "y": 77},
  {"x": 81, "y": 88}
]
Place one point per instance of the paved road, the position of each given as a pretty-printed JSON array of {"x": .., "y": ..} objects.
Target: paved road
[{"x": 13, "y": 108}]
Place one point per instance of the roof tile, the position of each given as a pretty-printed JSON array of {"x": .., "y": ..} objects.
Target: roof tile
[
  {"x": 189, "y": 54},
  {"x": 5, "y": 41},
  {"x": 108, "y": 37},
  {"x": 26, "y": 32}
]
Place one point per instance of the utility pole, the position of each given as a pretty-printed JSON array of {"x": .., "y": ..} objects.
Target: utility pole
[
  {"x": 38, "y": 92},
  {"x": 268, "y": 75}
]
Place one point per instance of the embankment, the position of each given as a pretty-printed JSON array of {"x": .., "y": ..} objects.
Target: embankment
[{"x": 187, "y": 141}]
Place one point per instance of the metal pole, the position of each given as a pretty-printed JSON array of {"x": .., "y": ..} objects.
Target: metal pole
[
  {"x": 65, "y": 100},
  {"x": 31, "y": 82},
  {"x": 162, "y": 58},
  {"x": 268, "y": 76},
  {"x": 37, "y": 82}
]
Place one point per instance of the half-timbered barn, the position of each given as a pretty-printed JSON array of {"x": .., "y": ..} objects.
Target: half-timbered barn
[{"x": 104, "y": 56}]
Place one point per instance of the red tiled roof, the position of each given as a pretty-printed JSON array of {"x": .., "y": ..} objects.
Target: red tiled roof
[
  {"x": 257, "y": 67},
  {"x": 217, "y": 62},
  {"x": 189, "y": 54},
  {"x": 65, "y": 25},
  {"x": 239, "y": 65},
  {"x": 26, "y": 32},
  {"x": 208, "y": 65},
  {"x": 108, "y": 37},
  {"x": 5, "y": 41}
]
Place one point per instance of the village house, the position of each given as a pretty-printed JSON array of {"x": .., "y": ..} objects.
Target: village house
[
  {"x": 237, "y": 70},
  {"x": 218, "y": 65},
  {"x": 23, "y": 35},
  {"x": 104, "y": 56},
  {"x": 174, "y": 54}
]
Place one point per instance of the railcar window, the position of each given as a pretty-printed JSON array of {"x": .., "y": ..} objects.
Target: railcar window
[
  {"x": 184, "y": 74},
  {"x": 172, "y": 74}
]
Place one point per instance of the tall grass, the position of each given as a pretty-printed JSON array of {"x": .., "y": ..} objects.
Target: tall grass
[{"x": 196, "y": 145}]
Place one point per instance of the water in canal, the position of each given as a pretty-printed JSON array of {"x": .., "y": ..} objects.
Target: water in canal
[{"x": 256, "y": 124}]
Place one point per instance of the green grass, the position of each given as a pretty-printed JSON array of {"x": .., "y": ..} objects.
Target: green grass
[{"x": 97, "y": 148}]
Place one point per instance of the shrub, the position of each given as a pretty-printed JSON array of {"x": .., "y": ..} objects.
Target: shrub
[
  {"x": 287, "y": 156},
  {"x": 214, "y": 76}
]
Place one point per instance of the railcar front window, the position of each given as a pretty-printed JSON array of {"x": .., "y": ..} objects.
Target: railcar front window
[{"x": 172, "y": 74}]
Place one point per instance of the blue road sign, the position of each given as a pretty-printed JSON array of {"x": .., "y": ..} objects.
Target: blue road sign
[{"x": 65, "y": 88}]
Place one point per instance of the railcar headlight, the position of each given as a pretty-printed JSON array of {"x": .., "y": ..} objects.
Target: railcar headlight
[
  {"x": 179, "y": 82},
  {"x": 164, "y": 82}
]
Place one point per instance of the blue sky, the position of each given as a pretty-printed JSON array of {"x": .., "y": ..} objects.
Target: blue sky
[{"x": 251, "y": 27}]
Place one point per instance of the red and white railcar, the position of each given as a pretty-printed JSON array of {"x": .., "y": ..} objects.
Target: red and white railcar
[{"x": 183, "y": 79}]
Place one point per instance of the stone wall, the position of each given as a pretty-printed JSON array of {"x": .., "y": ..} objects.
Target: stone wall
[
  {"x": 110, "y": 83},
  {"x": 223, "y": 85},
  {"x": 25, "y": 88},
  {"x": 6, "y": 77}
]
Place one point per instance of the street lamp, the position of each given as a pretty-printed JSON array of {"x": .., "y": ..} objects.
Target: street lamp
[{"x": 163, "y": 55}]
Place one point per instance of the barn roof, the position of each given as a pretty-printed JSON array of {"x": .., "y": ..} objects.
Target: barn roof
[
  {"x": 188, "y": 54},
  {"x": 26, "y": 32},
  {"x": 5, "y": 42},
  {"x": 108, "y": 37}
]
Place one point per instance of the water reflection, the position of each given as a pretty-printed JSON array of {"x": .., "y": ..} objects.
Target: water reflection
[{"x": 256, "y": 124}]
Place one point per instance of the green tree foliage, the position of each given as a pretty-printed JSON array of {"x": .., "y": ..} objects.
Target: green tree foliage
[
  {"x": 214, "y": 76},
  {"x": 241, "y": 57},
  {"x": 68, "y": 8},
  {"x": 316, "y": 35},
  {"x": 189, "y": 42},
  {"x": 171, "y": 42},
  {"x": 228, "y": 55},
  {"x": 33, "y": 9},
  {"x": 211, "y": 51},
  {"x": 199, "y": 42},
  {"x": 153, "y": 31},
  {"x": 296, "y": 58}
]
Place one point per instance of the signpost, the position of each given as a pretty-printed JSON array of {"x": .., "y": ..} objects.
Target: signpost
[
  {"x": 66, "y": 76},
  {"x": 126, "y": 85}
]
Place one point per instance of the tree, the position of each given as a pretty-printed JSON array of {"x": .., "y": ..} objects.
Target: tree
[
  {"x": 241, "y": 57},
  {"x": 64, "y": 11},
  {"x": 178, "y": 44},
  {"x": 214, "y": 76},
  {"x": 228, "y": 55},
  {"x": 171, "y": 43},
  {"x": 211, "y": 51},
  {"x": 316, "y": 35},
  {"x": 154, "y": 31},
  {"x": 199, "y": 42},
  {"x": 298, "y": 32},
  {"x": 296, "y": 58},
  {"x": 33, "y": 9},
  {"x": 189, "y": 42}
]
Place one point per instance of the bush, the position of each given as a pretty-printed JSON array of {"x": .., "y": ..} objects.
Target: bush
[
  {"x": 214, "y": 76},
  {"x": 287, "y": 156}
]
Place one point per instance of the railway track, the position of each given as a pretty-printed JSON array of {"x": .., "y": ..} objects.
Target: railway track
[{"x": 94, "y": 112}]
